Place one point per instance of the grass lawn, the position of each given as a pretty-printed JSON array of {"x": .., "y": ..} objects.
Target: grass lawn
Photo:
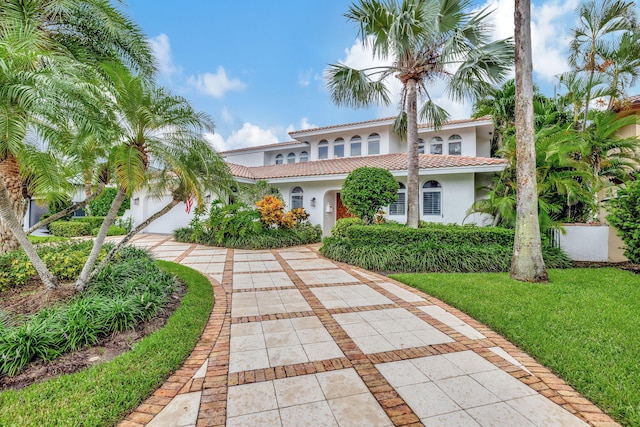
[
  {"x": 105, "y": 393},
  {"x": 584, "y": 325}
]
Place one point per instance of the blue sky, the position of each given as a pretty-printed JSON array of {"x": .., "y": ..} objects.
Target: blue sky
[{"x": 256, "y": 66}]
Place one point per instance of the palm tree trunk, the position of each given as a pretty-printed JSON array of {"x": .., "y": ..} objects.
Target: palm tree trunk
[
  {"x": 66, "y": 211},
  {"x": 413, "y": 184},
  {"x": 136, "y": 230},
  {"x": 99, "y": 240},
  {"x": 9, "y": 220},
  {"x": 527, "y": 263},
  {"x": 10, "y": 172}
]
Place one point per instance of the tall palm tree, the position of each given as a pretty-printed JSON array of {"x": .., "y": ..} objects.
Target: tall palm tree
[
  {"x": 603, "y": 23},
  {"x": 527, "y": 263},
  {"x": 425, "y": 41},
  {"x": 161, "y": 145}
]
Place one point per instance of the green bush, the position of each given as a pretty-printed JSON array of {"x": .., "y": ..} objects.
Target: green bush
[
  {"x": 70, "y": 228},
  {"x": 343, "y": 224},
  {"x": 112, "y": 231},
  {"x": 129, "y": 290},
  {"x": 95, "y": 221},
  {"x": 625, "y": 216},
  {"x": 100, "y": 205},
  {"x": 366, "y": 190},
  {"x": 57, "y": 205}
]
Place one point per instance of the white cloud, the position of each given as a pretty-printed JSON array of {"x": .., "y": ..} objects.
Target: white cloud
[
  {"x": 248, "y": 135},
  {"x": 161, "y": 49},
  {"x": 304, "y": 124},
  {"x": 215, "y": 85},
  {"x": 304, "y": 77},
  {"x": 226, "y": 116}
]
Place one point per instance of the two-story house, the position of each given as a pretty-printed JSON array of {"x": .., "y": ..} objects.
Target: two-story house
[{"x": 455, "y": 164}]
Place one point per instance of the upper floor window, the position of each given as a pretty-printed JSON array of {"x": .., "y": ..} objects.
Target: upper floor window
[
  {"x": 420, "y": 146},
  {"x": 338, "y": 148},
  {"x": 432, "y": 198},
  {"x": 373, "y": 144},
  {"x": 304, "y": 157},
  {"x": 399, "y": 206},
  {"x": 455, "y": 145},
  {"x": 279, "y": 159},
  {"x": 296, "y": 197},
  {"x": 323, "y": 149},
  {"x": 355, "y": 146},
  {"x": 435, "y": 145},
  {"x": 291, "y": 158}
]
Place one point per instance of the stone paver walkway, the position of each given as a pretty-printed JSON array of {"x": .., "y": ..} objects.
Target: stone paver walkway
[{"x": 298, "y": 340}]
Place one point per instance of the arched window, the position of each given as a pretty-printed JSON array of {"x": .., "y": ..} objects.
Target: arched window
[
  {"x": 373, "y": 144},
  {"x": 435, "y": 145},
  {"x": 420, "y": 146},
  {"x": 279, "y": 159},
  {"x": 338, "y": 148},
  {"x": 455, "y": 145},
  {"x": 323, "y": 149},
  {"x": 431, "y": 198},
  {"x": 355, "y": 146},
  {"x": 296, "y": 197},
  {"x": 291, "y": 158},
  {"x": 304, "y": 157},
  {"x": 399, "y": 206}
]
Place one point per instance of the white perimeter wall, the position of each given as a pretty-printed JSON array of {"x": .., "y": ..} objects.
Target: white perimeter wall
[{"x": 585, "y": 242}]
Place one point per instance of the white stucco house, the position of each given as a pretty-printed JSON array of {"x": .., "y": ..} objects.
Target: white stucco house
[{"x": 309, "y": 170}]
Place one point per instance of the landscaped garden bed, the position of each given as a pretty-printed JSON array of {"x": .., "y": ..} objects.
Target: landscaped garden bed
[{"x": 584, "y": 325}]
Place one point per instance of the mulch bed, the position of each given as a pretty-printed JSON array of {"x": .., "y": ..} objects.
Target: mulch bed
[{"x": 31, "y": 298}]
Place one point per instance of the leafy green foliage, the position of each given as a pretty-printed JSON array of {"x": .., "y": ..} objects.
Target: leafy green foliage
[
  {"x": 112, "y": 231},
  {"x": 123, "y": 382},
  {"x": 438, "y": 248},
  {"x": 70, "y": 228},
  {"x": 343, "y": 224},
  {"x": 95, "y": 221},
  {"x": 625, "y": 216},
  {"x": 59, "y": 204},
  {"x": 366, "y": 190},
  {"x": 101, "y": 204},
  {"x": 130, "y": 290},
  {"x": 584, "y": 325}
]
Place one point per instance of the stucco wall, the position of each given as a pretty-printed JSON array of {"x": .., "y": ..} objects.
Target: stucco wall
[
  {"x": 246, "y": 159},
  {"x": 585, "y": 242}
]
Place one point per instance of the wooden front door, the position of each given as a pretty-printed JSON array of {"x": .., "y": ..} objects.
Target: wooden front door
[{"x": 341, "y": 210}]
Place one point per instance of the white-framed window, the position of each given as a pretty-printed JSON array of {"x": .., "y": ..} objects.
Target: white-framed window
[
  {"x": 296, "y": 198},
  {"x": 304, "y": 157},
  {"x": 420, "y": 146},
  {"x": 279, "y": 159},
  {"x": 323, "y": 149},
  {"x": 373, "y": 144},
  {"x": 399, "y": 207},
  {"x": 291, "y": 158},
  {"x": 355, "y": 146},
  {"x": 431, "y": 198},
  {"x": 338, "y": 148},
  {"x": 435, "y": 145},
  {"x": 455, "y": 145}
]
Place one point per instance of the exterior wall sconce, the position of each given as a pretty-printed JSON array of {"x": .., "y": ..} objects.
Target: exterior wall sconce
[
  {"x": 313, "y": 202},
  {"x": 136, "y": 201},
  {"x": 329, "y": 208}
]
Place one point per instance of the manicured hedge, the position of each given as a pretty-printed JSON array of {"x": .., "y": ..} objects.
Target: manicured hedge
[
  {"x": 113, "y": 231},
  {"x": 95, "y": 221},
  {"x": 70, "y": 228},
  {"x": 436, "y": 233}
]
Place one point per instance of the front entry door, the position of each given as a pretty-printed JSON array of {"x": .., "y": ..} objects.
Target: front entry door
[{"x": 341, "y": 210}]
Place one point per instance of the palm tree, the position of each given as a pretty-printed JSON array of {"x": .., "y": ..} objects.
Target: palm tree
[
  {"x": 160, "y": 145},
  {"x": 603, "y": 23},
  {"x": 425, "y": 41},
  {"x": 527, "y": 263},
  {"x": 49, "y": 52}
]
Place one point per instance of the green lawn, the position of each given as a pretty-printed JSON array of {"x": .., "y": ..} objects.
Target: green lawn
[
  {"x": 584, "y": 325},
  {"x": 103, "y": 394}
]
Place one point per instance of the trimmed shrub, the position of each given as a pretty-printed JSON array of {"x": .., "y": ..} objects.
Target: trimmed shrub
[
  {"x": 101, "y": 204},
  {"x": 95, "y": 221},
  {"x": 57, "y": 205},
  {"x": 343, "y": 224},
  {"x": 70, "y": 228},
  {"x": 366, "y": 190},
  {"x": 112, "y": 231},
  {"x": 625, "y": 216}
]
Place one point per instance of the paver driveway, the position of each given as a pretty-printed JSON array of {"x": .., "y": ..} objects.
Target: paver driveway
[{"x": 298, "y": 340}]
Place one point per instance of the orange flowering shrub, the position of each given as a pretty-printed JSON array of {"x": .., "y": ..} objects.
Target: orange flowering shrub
[{"x": 272, "y": 213}]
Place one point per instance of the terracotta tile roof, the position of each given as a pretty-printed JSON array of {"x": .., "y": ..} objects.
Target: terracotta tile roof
[
  {"x": 385, "y": 119},
  {"x": 262, "y": 147},
  {"x": 456, "y": 122},
  {"x": 627, "y": 104},
  {"x": 342, "y": 166}
]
